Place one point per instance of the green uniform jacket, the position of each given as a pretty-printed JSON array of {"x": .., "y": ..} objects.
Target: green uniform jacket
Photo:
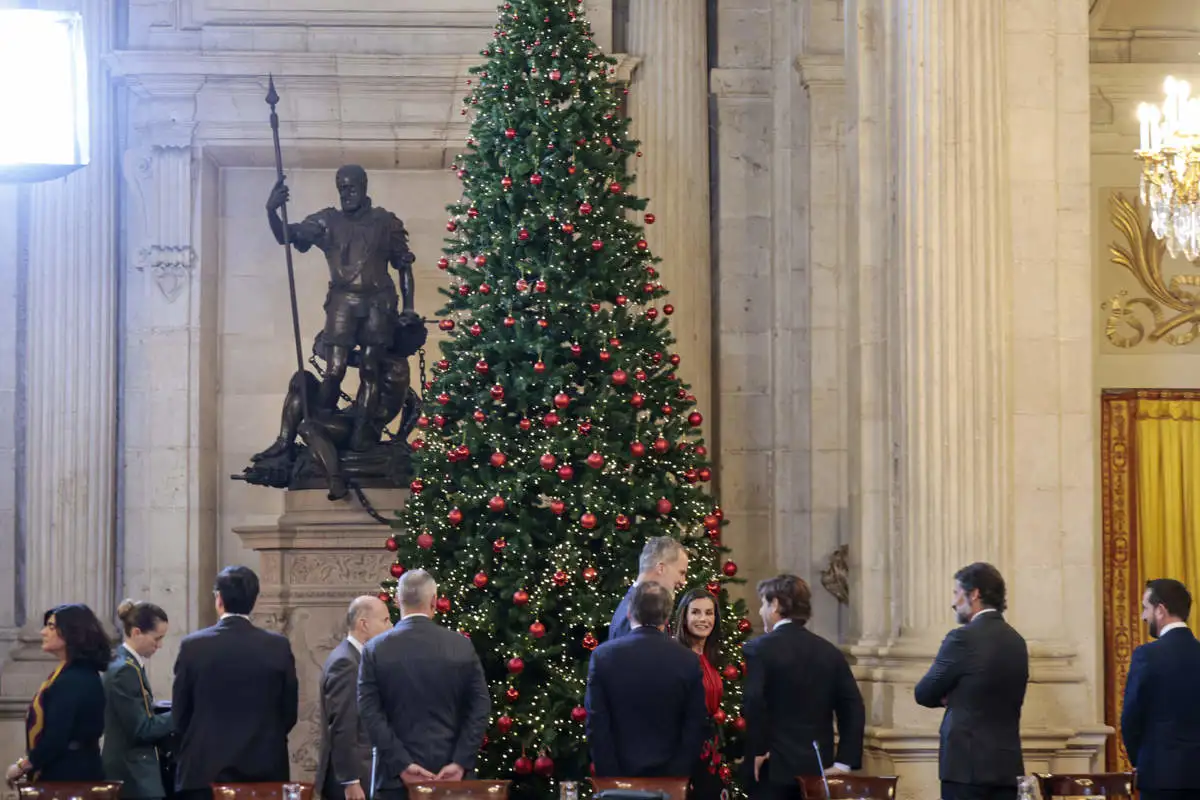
[{"x": 132, "y": 729}]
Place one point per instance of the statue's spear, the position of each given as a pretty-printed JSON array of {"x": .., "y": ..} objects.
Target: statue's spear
[{"x": 272, "y": 100}]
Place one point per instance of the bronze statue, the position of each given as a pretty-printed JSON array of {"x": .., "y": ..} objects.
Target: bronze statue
[{"x": 359, "y": 240}]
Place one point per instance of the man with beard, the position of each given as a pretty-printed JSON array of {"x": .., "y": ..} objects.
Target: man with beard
[
  {"x": 979, "y": 676},
  {"x": 1160, "y": 719}
]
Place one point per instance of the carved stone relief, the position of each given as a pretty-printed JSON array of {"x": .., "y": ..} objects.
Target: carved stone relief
[{"x": 160, "y": 194}]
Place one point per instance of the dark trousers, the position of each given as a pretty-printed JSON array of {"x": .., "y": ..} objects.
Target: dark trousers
[
  {"x": 973, "y": 791},
  {"x": 194, "y": 794},
  {"x": 1168, "y": 794}
]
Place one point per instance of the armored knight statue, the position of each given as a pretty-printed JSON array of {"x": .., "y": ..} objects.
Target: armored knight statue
[
  {"x": 351, "y": 445},
  {"x": 359, "y": 241}
]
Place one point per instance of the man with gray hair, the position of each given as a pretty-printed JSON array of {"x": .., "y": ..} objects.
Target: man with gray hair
[
  {"x": 344, "y": 762},
  {"x": 422, "y": 695},
  {"x": 663, "y": 561},
  {"x": 646, "y": 716}
]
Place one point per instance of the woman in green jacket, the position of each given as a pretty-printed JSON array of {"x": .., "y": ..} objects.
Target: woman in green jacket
[{"x": 131, "y": 728}]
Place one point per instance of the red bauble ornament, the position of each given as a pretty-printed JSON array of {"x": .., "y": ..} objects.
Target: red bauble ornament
[
  {"x": 558, "y": 507},
  {"x": 566, "y": 472},
  {"x": 504, "y": 724},
  {"x": 499, "y": 545},
  {"x": 713, "y": 587},
  {"x": 480, "y": 260},
  {"x": 523, "y": 235},
  {"x": 560, "y": 578},
  {"x": 520, "y": 597},
  {"x": 385, "y": 597},
  {"x": 550, "y": 420},
  {"x": 621, "y": 300},
  {"x": 674, "y": 359},
  {"x": 590, "y": 574},
  {"x": 585, "y": 208},
  {"x": 739, "y": 724},
  {"x": 595, "y": 460},
  {"x": 475, "y": 329},
  {"x": 480, "y": 580},
  {"x": 642, "y": 244},
  {"x": 694, "y": 419},
  {"x": 472, "y": 212},
  {"x": 554, "y": 75},
  {"x": 522, "y": 284},
  {"x": 515, "y": 665},
  {"x": 597, "y": 245},
  {"x": 506, "y": 182},
  {"x": 568, "y": 228},
  {"x": 668, "y": 309},
  {"x": 540, "y": 287},
  {"x": 639, "y": 374},
  {"x": 446, "y": 325},
  {"x": 590, "y": 642},
  {"x": 455, "y": 516},
  {"x": 661, "y": 446},
  {"x": 690, "y": 476},
  {"x": 649, "y": 219},
  {"x": 578, "y": 714},
  {"x": 605, "y": 356},
  {"x": 547, "y": 461},
  {"x": 637, "y": 449},
  {"x": 451, "y": 226},
  {"x": 539, "y": 367},
  {"x": 620, "y": 377},
  {"x": 397, "y": 569},
  {"x": 729, "y": 568},
  {"x": 537, "y": 630},
  {"x": 510, "y": 133},
  {"x": 535, "y": 179},
  {"x": 594, "y": 307},
  {"x": 544, "y": 765},
  {"x": 711, "y": 522},
  {"x": 443, "y": 398},
  {"x": 510, "y": 321},
  {"x": 561, "y": 400},
  {"x": 511, "y": 694},
  {"x": 439, "y": 420},
  {"x": 666, "y": 409},
  {"x": 614, "y": 187},
  {"x": 730, "y": 673},
  {"x": 498, "y": 459},
  {"x": 576, "y": 351},
  {"x": 497, "y": 504},
  {"x": 391, "y": 544},
  {"x": 725, "y": 773},
  {"x": 705, "y": 474},
  {"x": 479, "y": 416},
  {"x": 623, "y": 522},
  {"x": 588, "y": 521},
  {"x": 524, "y": 425},
  {"x": 485, "y": 288},
  {"x": 651, "y": 313},
  {"x": 719, "y": 716},
  {"x": 543, "y": 324},
  {"x": 744, "y": 625},
  {"x": 585, "y": 428},
  {"x": 417, "y": 485},
  {"x": 637, "y": 401},
  {"x": 443, "y": 605},
  {"x": 481, "y": 367},
  {"x": 523, "y": 766},
  {"x": 443, "y": 263},
  {"x": 663, "y": 506}
]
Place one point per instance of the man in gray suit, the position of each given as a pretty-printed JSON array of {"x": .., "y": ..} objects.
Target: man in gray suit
[
  {"x": 344, "y": 764},
  {"x": 422, "y": 695}
]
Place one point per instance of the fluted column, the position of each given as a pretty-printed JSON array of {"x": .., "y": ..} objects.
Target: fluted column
[
  {"x": 951, "y": 371},
  {"x": 70, "y": 446},
  {"x": 668, "y": 105}
]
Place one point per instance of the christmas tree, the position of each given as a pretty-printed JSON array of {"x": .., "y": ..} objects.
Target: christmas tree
[{"x": 557, "y": 437}]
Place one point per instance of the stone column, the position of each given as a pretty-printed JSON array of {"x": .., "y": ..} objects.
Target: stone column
[
  {"x": 70, "y": 465},
  {"x": 668, "y": 104}
]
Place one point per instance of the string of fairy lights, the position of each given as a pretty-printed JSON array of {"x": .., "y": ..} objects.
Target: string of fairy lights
[{"x": 557, "y": 436}]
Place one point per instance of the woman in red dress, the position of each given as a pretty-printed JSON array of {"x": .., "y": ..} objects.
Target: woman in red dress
[{"x": 698, "y": 627}]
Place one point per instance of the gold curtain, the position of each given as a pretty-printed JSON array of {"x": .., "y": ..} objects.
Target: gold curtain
[
  {"x": 1150, "y": 484},
  {"x": 1168, "y": 492}
]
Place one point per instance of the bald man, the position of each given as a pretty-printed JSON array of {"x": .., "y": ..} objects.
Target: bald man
[{"x": 344, "y": 765}]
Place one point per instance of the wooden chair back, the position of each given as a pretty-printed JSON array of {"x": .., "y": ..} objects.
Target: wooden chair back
[
  {"x": 269, "y": 790},
  {"x": 458, "y": 790},
  {"x": 673, "y": 788},
  {"x": 1104, "y": 784},
  {"x": 71, "y": 790},
  {"x": 849, "y": 787}
]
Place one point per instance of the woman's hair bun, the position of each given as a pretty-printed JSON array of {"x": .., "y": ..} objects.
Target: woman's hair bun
[{"x": 126, "y": 608}]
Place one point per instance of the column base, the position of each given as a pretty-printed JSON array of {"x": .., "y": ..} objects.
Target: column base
[
  {"x": 1059, "y": 731},
  {"x": 314, "y": 560}
]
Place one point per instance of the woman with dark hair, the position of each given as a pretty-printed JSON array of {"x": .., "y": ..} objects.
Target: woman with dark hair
[
  {"x": 698, "y": 627},
  {"x": 131, "y": 728},
  {"x": 66, "y": 718}
]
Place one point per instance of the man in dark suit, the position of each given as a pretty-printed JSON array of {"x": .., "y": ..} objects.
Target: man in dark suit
[
  {"x": 235, "y": 695},
  {"x": 344, "y": 762},
  {"x": 979, "y": 676},
  {"x": 663, "y": 561},
  {"x": 422, "y": 695},
  {"x": 645, "y": 697},
  {"x": 1160, "y": 719},
  {"x": 796, "y": 685}
]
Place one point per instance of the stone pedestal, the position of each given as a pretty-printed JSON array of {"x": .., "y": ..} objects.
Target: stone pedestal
[{"x": 318, "y": 557}]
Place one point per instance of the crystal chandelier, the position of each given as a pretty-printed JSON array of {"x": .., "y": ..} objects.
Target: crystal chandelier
[{"x": 1170, "y": 154}]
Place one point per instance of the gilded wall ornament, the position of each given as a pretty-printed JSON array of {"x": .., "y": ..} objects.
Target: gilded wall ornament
[{"x": 1170, "y": 308}]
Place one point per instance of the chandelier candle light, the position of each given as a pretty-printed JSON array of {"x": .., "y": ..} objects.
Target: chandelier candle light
[{"x": 1170, "y": 152}]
